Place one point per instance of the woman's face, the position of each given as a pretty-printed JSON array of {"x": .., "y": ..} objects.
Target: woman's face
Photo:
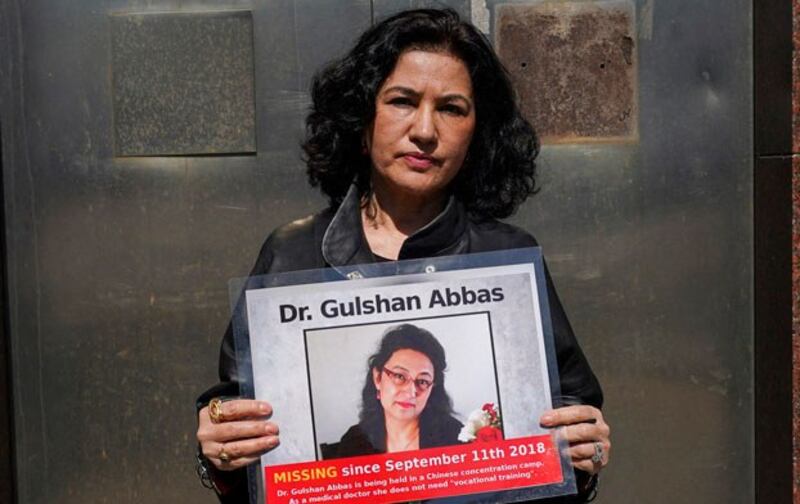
[
  {"x": 404, "y": 384},
  {"x": 424, "y": 121}
]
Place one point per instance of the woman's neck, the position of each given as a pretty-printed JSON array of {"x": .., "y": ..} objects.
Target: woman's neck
[
  {"x": 389, "y": 219},
  {"x": 401, "y": 436}
]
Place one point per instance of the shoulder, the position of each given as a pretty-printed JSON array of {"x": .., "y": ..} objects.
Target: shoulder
[
  {"x": 300, "y": 232},
  {"x": 353, "y": 437},
  {"x": 354, "y": 442},
  {"x": 453, "y": 424},
  {"x": 490, "y": 234},
  {"x": 294, "y": 246},
  {"x": 442, "y": 432},
  {"x": 354, "y": 433}
]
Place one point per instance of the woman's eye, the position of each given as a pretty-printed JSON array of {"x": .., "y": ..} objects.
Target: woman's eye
[
  {"x": 454, "y": 110},
  {"x": 400, "y": 101}
]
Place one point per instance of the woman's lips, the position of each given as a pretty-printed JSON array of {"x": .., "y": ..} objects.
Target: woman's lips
[
  {"x": 405, "y": 405},
  {"x": 418, "y": 161}
]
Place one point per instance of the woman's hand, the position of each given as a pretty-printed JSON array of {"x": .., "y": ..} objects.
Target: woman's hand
[
  {"x": 241, "y": 435},
  {"x": 583, "y": 427}
]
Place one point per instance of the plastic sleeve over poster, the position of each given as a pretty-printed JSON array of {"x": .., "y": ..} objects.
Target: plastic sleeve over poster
[{"x": 404, "y": 381}]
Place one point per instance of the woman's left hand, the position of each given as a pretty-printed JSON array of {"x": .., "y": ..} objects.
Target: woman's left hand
[{"x": 583, "y": 427}]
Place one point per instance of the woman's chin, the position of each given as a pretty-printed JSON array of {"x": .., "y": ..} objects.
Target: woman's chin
[{"x": 416, "y": 183}]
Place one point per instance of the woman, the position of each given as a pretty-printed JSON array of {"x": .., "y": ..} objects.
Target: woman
[
  {"x": 416, "y": 139},
  {"x": 404, "y": 405}
]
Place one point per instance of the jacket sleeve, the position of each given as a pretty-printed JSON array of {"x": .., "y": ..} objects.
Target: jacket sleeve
[
  {"x": 229, "y": 367},
  {"x": 232, "y": 486},
  {"x": 579, "y": 385}
]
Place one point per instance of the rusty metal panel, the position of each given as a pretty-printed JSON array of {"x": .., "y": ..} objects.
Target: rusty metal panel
[
  {"x": 651, "y": 246},
  {"x": 183, "y": 83},
  {"x": 574, "y": 66}
]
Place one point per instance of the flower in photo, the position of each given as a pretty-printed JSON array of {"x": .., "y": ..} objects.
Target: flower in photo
[{"x": 483, "y": 425}]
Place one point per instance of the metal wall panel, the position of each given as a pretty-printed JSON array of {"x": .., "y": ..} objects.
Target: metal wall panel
[
  {"x": 650, "y": 245},
  {"x": 118, "y": 266},
  {"x": 385, "y": 8},
  {"x": 183, "y": 84}
]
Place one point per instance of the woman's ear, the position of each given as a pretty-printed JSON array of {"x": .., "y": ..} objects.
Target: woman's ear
[
  {"x": 366, "y": 140},
  {"x": 376, "y": 379}
]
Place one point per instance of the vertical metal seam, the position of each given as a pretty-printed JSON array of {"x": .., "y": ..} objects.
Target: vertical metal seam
[
  {"x": 5, "y": 340},
  {"x": 16, "y": 83},
  {"x": 6, "y": 310}
]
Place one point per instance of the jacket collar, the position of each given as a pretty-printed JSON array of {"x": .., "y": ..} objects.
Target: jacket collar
[{"x": 344, "y": 242}]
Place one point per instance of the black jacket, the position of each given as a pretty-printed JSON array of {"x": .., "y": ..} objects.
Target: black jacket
[
  {"x": 334, "y": 238},
  {"x": 355, "y": 442}
]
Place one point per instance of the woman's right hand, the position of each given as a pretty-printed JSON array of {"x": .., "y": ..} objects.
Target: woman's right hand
[{"x": 242, "y": 435}]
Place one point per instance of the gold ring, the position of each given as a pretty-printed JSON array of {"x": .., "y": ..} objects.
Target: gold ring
[
  {"x": 215, "y": 410},
  {"x": 223, "y": 456}
]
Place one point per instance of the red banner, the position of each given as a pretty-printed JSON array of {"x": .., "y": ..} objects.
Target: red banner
[{"x": 415, "y": 475}]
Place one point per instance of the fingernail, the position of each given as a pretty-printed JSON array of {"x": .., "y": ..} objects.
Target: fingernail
[
  {"x": 548, "y": 418},
  {"x": 263, "y": 408}
]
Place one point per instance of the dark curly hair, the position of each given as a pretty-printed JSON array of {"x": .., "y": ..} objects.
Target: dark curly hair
[
  {"x": 498, "y": 172},
  {"x": 439, "y": 408}
]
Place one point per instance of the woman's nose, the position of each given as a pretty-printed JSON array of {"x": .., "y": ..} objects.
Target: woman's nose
[{"x": 423, "y": 130}]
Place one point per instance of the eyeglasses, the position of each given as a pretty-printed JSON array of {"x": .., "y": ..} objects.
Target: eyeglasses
[{"x": 400, "y": 379}]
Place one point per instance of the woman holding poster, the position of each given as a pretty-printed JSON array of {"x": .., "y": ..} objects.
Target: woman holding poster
[{"x": 417, "y": 141}]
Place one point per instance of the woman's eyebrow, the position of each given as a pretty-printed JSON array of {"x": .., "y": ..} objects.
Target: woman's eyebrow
[
  {"x": 411, "y": 92},
  {"x": 402, "y": 90},
  {"x": 401, "y": 368}
]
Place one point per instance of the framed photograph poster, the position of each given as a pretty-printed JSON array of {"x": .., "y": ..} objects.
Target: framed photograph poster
[{"x": 404, "y": 381}]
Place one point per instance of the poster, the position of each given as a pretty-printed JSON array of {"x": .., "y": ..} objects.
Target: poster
[{"x": 411, "y": 380}]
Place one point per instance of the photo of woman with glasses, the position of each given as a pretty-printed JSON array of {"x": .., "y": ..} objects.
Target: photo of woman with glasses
[{"x": 404, "y": 404}]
